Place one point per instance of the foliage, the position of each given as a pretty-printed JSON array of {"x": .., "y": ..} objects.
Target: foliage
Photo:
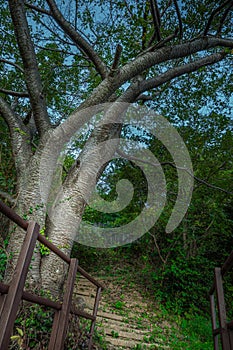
[
  {"x": 198, "y": 104},
  {"x": 35, "y": 323},
  {"x": 33, "y": 327},
  {"x": 3, "y": 257}
]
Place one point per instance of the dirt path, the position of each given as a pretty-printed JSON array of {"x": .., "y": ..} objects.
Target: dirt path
[{"x": 124, "y": 319}]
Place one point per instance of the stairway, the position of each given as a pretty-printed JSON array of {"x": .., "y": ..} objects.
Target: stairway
[{"x": 123, "y": 319}]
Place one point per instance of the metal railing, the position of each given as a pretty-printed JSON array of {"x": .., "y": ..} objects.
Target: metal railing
[
  {"x": 222, "y": 329},
  {"x": 12, "y": 294}
]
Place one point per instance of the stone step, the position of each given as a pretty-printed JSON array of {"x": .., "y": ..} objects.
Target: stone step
[
  {"x": 129, "y": 344},
  {"x": 109, "y": 315},
  {"x": 121, "y": 331},
  {"x": 121, "y": 326}
]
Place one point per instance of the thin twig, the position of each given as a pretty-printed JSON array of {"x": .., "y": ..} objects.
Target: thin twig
[
  {"x": 223, "y": 18},
  {"x": 123, "y": 154},
  {"x": 12, "y": 64},
  {"x": 217, "y": 10},
  {"x": 158, "y": 249}
]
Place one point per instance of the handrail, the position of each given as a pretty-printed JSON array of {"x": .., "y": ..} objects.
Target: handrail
[
  {"x": 221, "y": 328},
  {"x": 15, "y": 291},
  {"x": 226, "y": 267},
  {"x": 228, "y": 264},
  {"x": 24, "y": 224},
  {"x": 13, "y": 216}
]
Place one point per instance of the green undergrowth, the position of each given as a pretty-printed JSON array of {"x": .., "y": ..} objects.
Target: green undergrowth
[
  {"x": 174, "y": 323},
  {"x": 189, "y": 331},
  {"x": 33, "y": 326}
]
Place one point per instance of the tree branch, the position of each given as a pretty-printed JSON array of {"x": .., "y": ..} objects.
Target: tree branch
[
  {"x": 14, "y": 93},
  {"x": 116, "y": 61},
  {"x": 19, "y": 136},
  {"x": 156, "y": 18},
  {"x": 80, "y": 42},
  {"x": 38, "y": 9},
  {"x": 217, "y": 10},
  {"x": 164, "y": 261},
  {"x": 123, "y": 154},
  {"x": 107, "y": 87},
  {"x": 161, "y": 43},
  {"x": 135, "y": 90},
  {"x": 179, "y": 18},
  {"x": 9, "y": 115},
  {"x": 149, "y": 59},
  {"x": 178, "y": 71},
  {"x": 31, "y": 72},
  {"x": 223, "y": 18},
  {"x": 12, "y": 64}
]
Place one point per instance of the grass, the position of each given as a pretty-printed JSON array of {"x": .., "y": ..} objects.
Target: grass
[{"x": 169, "y": 327}]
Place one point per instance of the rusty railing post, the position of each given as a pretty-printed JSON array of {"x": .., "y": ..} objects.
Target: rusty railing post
[
  {"x": 213, "y": 321},
  {"x": 12, "y": 300},
  {"x": 61, "y": 318},
  {"x": 12, "y": 294},
  {"x": 97, "y": 300},
  {"x": 221, "y": 310}
]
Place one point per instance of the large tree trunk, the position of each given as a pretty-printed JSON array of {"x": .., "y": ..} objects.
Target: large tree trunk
[{"x": 58, "y": 207}]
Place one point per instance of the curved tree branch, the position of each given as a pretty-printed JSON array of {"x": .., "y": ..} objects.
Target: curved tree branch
[
  {"x": 180, "y": 70},
  {"x": 217, "y": 10},
  {"x": 156, "y": 18},
  {"x": 31, "y": 72},
  {"x": 109, "y": 85},
  {"x": 38, "y": 9},
  {"x": 12, "y": 64},
  {"x": 80, "y": 42},
  {"x": 19, "y": 136},
  {"x": 223, "y": 18},
  {"x": 135, "y": 90},
  {"x": 179, "y": 18},
  {"x": 14, "y": 93},
  {"x": 149, "y": 59},
  {"x": 173, "y": 165}
]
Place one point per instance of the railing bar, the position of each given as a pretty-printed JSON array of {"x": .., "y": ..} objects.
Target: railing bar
[
  {"x": 91, "y": 279},
  {"x": 15, "y": 291},
  {"x": 53, "y": 336},
  {"x": 215, "y": 330},
  {"x": 46, "y": 302},
  {"x": 13, "y": 216},
  {"x": 95, "y": 310},
  {"x": 221, "y": 310},
  {"x": 61, "y": 320},
  {"x": 84, "y": 314},
  {"x": 33, "y": 298},
  {"x": 213, "y": 312},
  {"x": 53, "y": 248},
  {"x": 212, "y": 289},
  {"x": 228, "y": 264},
  {"x": 97, "y": 300}
]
